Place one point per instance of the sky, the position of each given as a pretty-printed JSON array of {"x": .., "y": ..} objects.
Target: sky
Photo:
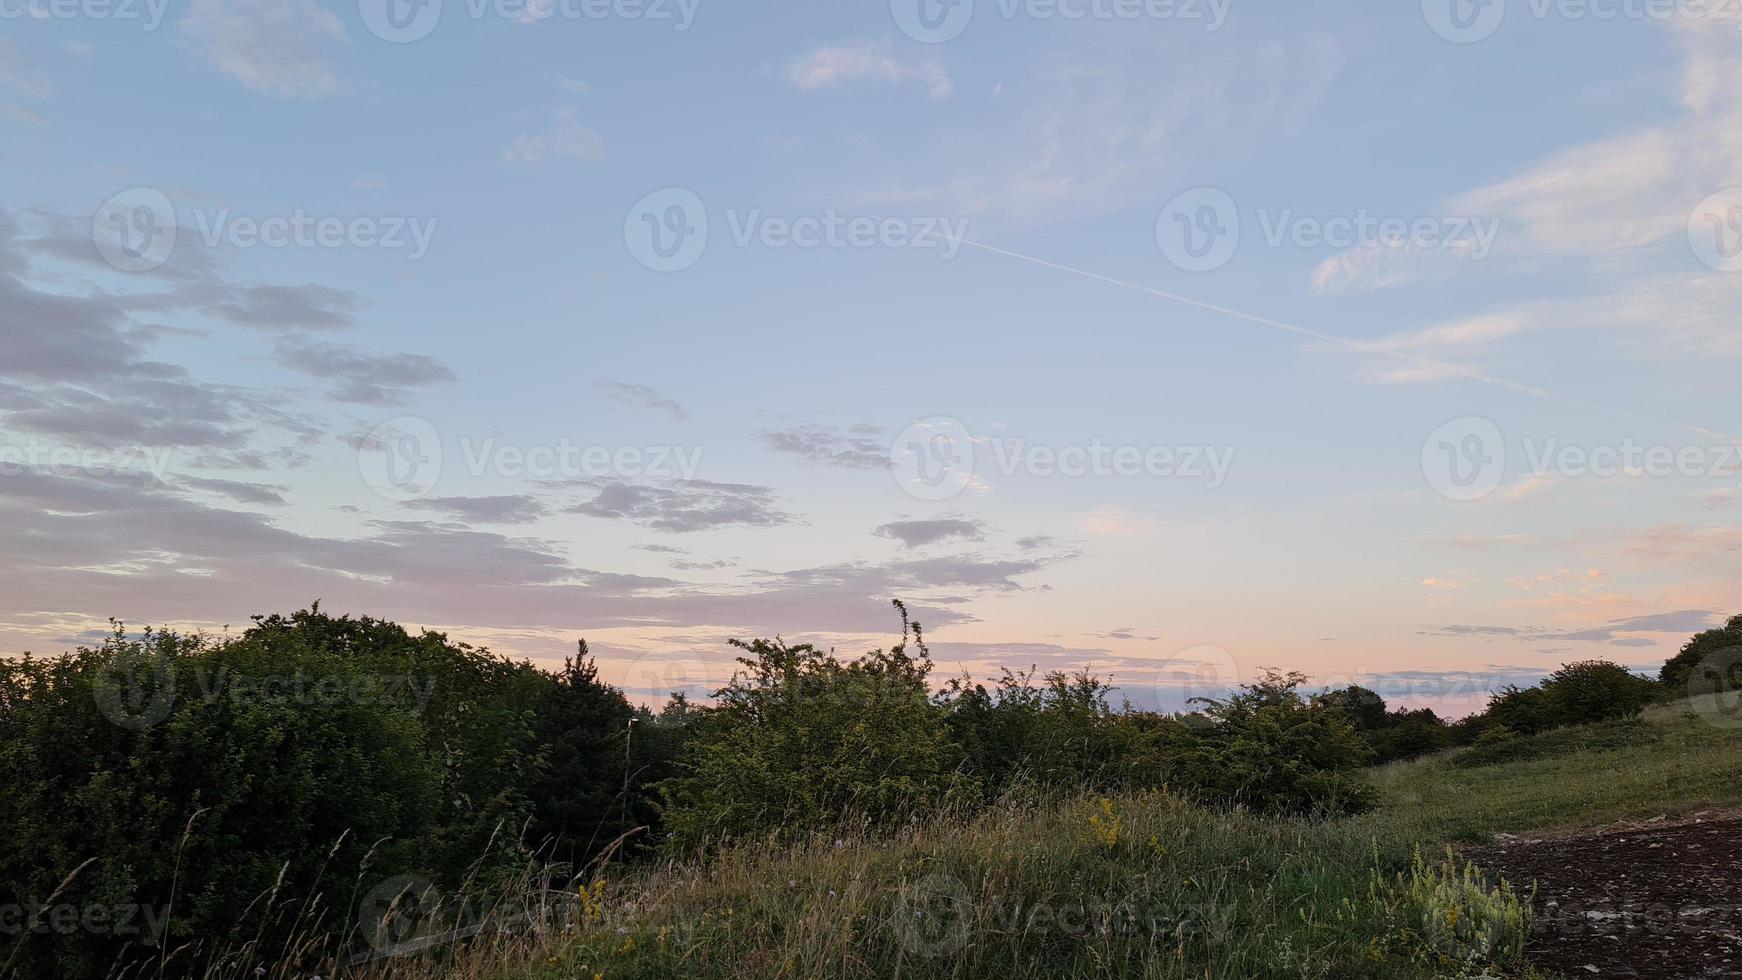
[{"x": 1169, "y": 339}]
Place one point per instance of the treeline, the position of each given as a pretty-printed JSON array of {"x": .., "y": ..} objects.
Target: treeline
[
  {"x": 248, "y": 798},
  {"x": 1579, "y": 693}
]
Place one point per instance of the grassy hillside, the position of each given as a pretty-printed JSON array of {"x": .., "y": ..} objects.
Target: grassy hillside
[{"x": 1141, "y": 885}]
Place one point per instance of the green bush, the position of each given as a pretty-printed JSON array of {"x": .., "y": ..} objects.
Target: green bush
[
  {"x": 224, "y": 784},
  {"x": 1270, "y": 750},
  {"x": 1597, "y": 690},
  {"x": 1450, "y": 916},
  {"x": 801, "y": 740},
  {"x": 1059, "y": 733}
]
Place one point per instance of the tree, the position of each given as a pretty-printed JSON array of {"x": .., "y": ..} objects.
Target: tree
[
  {"x": 1680, "y": 670},
  {"x": 1364, "y": 708},
  {"x": 1597, "y": 690}
]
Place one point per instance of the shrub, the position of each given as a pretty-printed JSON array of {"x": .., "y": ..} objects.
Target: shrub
[
  {"x": 1449, "y": 915},
  {"x": 800, "y": 740},
  {"x": 1596, "y": 690},
  {"x": 1268, "y": 749},
  {"x": 1060, "y": 733},
  {"x": 229, "y": 782},
  {"x": 1409, "y": 734}
]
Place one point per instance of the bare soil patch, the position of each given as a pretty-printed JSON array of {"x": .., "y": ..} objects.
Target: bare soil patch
[{"x": 1659, "y": 900}]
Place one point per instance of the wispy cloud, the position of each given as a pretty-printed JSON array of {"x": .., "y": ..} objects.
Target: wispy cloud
[
  {"x": 868, "y": 62},
  {"x": 274, "y": 47},
  {"x": 564, "y": 139},
  {"x": 641, "y": 396}
]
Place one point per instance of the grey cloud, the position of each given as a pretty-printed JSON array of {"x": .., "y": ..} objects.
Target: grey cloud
[
  {"x": 1035, "y": 542},
  {"x": 855, "y": 447},
  {"x": 966, "y": 571},
  {"x": 642, "y": 396},
  {"x": 244, "y": 493},
  {"x": 417, "y": 572},
  {"x": 308, "y": 307},
  {"x": 704, "y": 566},
  {"x": 512, "y": 509},
  {"x": 696, "y": 505},
  {"x": 1681, "y": 622},
  {"x": 915, "y": 534},
  {"x": 361, "y": 378}
]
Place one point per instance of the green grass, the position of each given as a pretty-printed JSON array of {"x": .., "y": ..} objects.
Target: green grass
[{"x": 1137, "y": 886}]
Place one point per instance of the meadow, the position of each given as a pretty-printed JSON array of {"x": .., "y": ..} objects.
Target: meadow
[
  {"x": 1140, "y": 885},
  {"x": 825, "y": 818}
]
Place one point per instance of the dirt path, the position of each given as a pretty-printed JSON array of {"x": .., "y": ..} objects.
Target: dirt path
[{"x": 1658, "y": 900}]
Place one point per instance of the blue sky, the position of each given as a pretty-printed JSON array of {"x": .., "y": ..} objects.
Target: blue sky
[{"x": 1357, "y": 436}]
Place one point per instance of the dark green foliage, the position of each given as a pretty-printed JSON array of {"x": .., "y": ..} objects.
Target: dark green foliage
[
  {"x": 1596, "y": 690},
  {"x": 577, "y": 793},
  {"x": 1499, "y": 744},
  {"x": 232, "y": 781},
  {"x": 1681, "y": 669},
  {"x": 1364, "y": 708},
  {"x": 1271, "y": 750},
  {"x": 1522, "y": 710},
  {"x": 801, "y": 740},
  {"x": 1409, "y": 735},
  {"x": 1060, "y": 733}
]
